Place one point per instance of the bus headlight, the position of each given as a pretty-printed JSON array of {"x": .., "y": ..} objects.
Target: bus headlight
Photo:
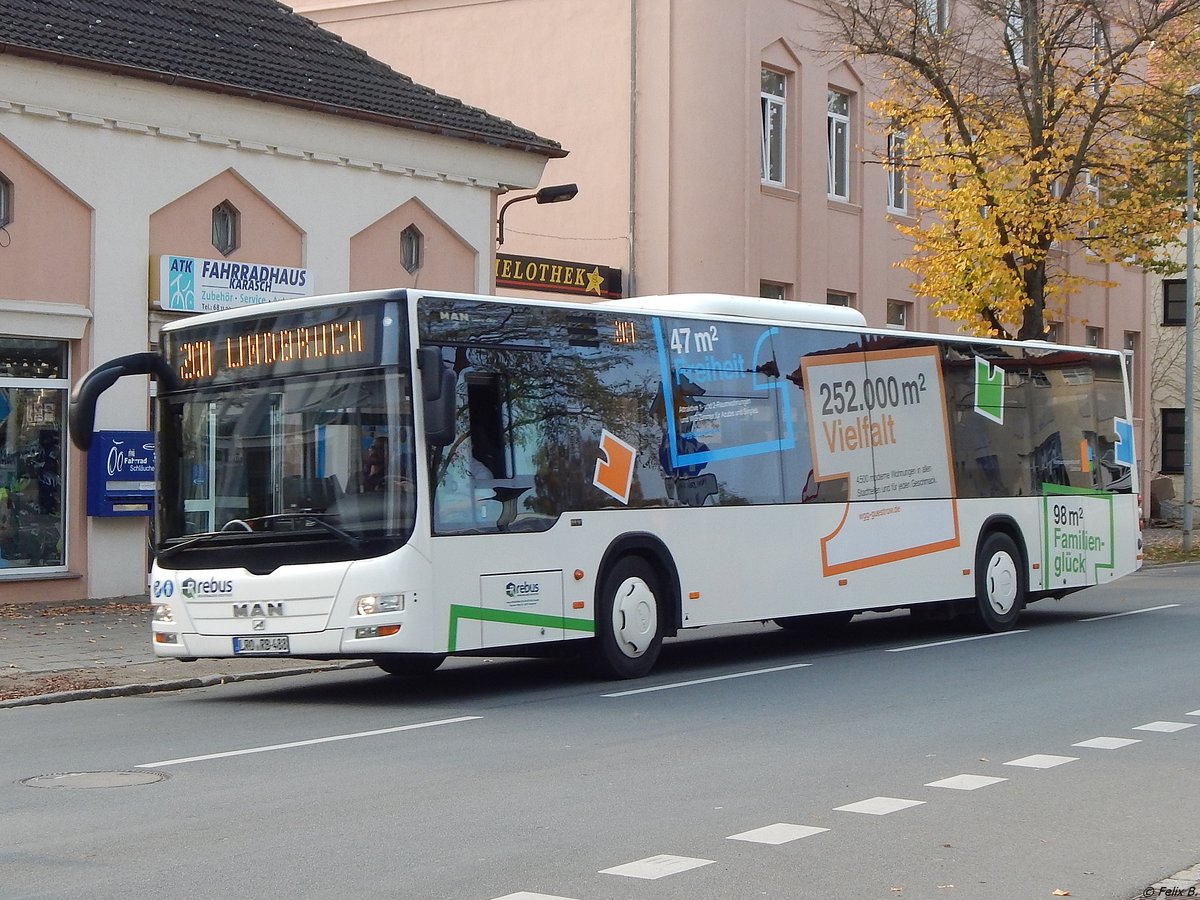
[
  {"x": 370, "y": 604},
  {"x": 162, "y": 613}
]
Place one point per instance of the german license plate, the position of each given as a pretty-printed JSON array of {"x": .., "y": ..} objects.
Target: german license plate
[{"x": 274, "y": 644}]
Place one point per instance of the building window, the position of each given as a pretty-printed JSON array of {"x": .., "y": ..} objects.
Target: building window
[
  {"x": 897, "y": 314},
  {"x": 1053, "y": 332},
  {"x": 933, "y": 14},
  {"x": 1174, "y": 301},
  {"x": 33, "y": 402},
  {"x": 1132, "y": 339},
  {"x": 412, "y": 249},
  {"x": 6, "y": 201},
  {"x": 774, "y": 290},
  {"x": 1093, "y": 336},
  {"x": 837, "y": 119},
  {"x": 773, "y": 100},
  {"x": 1172, "y": 442},
  {"x": 1014, "y": 32},
  {"x": 897, "y": 172},
  {"x": 225, "y": 227},
  {"x": 838, "y": 298}
]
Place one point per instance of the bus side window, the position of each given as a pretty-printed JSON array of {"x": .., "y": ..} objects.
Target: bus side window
[{"x": 485, "y": 411}]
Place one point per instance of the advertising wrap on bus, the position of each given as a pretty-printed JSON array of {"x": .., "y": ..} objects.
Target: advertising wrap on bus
[{"x": 402, "y": 475}]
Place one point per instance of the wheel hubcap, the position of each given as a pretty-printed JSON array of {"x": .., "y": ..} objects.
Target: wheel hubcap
[
  {"x": 1002, "y": 580},
  {"x": 635, "y": 617}
]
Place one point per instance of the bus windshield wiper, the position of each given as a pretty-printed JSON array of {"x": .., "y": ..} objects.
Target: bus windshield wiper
[
  {"x": 308, "y": 516},
  {"x": 195, "y": 540}
]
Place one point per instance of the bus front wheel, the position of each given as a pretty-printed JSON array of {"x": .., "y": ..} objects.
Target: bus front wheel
[
  {"x": 628, "y": 620},
  {"x": 999, "y": 583},
  {"x": 414, "y": 664}
]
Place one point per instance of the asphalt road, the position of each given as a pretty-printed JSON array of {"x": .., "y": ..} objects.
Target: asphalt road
[{"x": 898, "y": 760}]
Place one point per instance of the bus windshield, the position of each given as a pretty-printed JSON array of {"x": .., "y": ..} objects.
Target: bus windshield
[{"x": 323, "y": 458}]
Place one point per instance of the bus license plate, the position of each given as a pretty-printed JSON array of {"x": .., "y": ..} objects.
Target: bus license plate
[{"x": 261, "y": 645}]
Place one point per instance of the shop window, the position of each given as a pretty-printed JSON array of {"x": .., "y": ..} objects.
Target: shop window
[
  {"x": 225, "y": 227},
  {"x": 33, "y": 394}
]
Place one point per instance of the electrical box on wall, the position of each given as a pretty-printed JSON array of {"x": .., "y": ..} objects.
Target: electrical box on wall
[{"x": 120, "y": 467}]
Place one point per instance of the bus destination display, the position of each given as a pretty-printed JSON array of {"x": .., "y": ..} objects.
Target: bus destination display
[{"x": 265, "y": 347}]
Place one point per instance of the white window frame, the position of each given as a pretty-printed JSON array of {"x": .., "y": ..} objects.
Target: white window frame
[
  {"x": 774, "y": 290},
  {"x": 839, "y": 298},
  {"x": 837, "y": 125},
  {"x": 1093, "y": 336},
  {"x": 1014, "y": 31},
  {"x": 773, "y": 114},
  {"x": 900, "y": 321},
  {"x": 897, "y": 172},
  {"x": 933, "y": 14}
]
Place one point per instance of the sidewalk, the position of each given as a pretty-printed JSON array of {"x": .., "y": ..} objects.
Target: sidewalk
[
  {"x": 55, "y": 653},
  {"x": 50, "y": 654}
]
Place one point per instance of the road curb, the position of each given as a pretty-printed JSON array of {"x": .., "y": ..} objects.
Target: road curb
[{"x": 178, "y": 684}]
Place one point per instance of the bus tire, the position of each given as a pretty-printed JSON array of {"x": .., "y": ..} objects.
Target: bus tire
[
  {"x": 410, "y": 664},
  {"x": 821, "y": 624},
  {"x": 629, "y": 618},
  {"x": 1000, "y": 590}
]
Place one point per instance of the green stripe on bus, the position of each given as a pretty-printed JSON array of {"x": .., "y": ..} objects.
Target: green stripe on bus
[{"x": 534, "y": 620}]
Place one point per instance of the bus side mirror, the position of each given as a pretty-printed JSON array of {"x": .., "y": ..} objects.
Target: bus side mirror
[
  {"x": 81, "y": 410},
  {"x": 437, "y": 388}
]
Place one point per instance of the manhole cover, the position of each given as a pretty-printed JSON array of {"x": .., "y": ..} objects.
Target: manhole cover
[{"x": 94, "y": 779}]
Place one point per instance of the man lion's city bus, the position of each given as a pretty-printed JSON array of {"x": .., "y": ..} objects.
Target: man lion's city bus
[{"x": 404, "y": 475}]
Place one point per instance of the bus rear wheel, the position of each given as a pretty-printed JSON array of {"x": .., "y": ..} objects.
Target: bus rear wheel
[
  {"x": 628, "y": 620},
  {"x": 1000, "y": 590},
  {"x": 414, "y": 664}
]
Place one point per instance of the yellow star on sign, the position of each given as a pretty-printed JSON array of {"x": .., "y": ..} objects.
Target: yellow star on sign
[{"x": 595, "y": 282}]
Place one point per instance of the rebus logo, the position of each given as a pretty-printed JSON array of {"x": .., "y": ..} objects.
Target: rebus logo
[
  {"x": 211, "y": 587},
  {"x": 525, "y": 588}
]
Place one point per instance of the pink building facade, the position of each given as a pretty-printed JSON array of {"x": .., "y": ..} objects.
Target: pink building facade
[
  {"x": 104, "y": 174},
  {"x": 718, "y": 146}
]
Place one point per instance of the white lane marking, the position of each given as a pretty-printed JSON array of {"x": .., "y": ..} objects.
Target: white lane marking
[
  {"x": 977, "y": 637},
  {"x": 679, "y": 684},
  {"x": 1132, "y": 612},
  {"x": 779, "y": 833},
  {"x": 526, "y": 895},
  {"x": 1165, "y": 727},
  {"x": 308, "y": 743},
  {"x": 657, "y": 866},
  {"x": 1041, "y": 761},
  {"x": 966, "y": 782},
  {"x": 879, "y": 806},
  {"x": 1107, "y": 743},
  {"x": 1194, "y": 712}
]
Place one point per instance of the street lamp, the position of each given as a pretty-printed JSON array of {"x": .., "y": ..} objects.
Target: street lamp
[
  {"x": 555, "y": 193},
  {"x": 1189, "y": 413}
]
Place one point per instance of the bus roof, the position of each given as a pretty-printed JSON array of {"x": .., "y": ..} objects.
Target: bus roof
[{"x": 746, "y": 307}]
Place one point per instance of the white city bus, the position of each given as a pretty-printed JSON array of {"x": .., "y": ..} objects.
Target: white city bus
[{"x": 404, "y": 475}]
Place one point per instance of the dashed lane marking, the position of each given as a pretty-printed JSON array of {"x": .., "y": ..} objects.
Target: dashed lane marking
[
  {"x": 977, "y": 637},
  {"x": 527, "y": 895},
  {"x": 779, "y": 833},
  {"x": 679, "y": 684},
  {"x": 1107, "y": 743},
  {"x": 879, "y": 806},
  {"x": 1165, "y": 727},
  {"x": 1041, "y": 761},
  {"x": 966, "y": 782},
  {"x": 661, "y": 866},
  {"x": 308, "y": 743},
  {"x": 1132, "y": 612}
]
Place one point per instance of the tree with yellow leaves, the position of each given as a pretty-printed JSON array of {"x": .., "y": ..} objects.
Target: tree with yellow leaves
[{"x": 1032, "y": 128}]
